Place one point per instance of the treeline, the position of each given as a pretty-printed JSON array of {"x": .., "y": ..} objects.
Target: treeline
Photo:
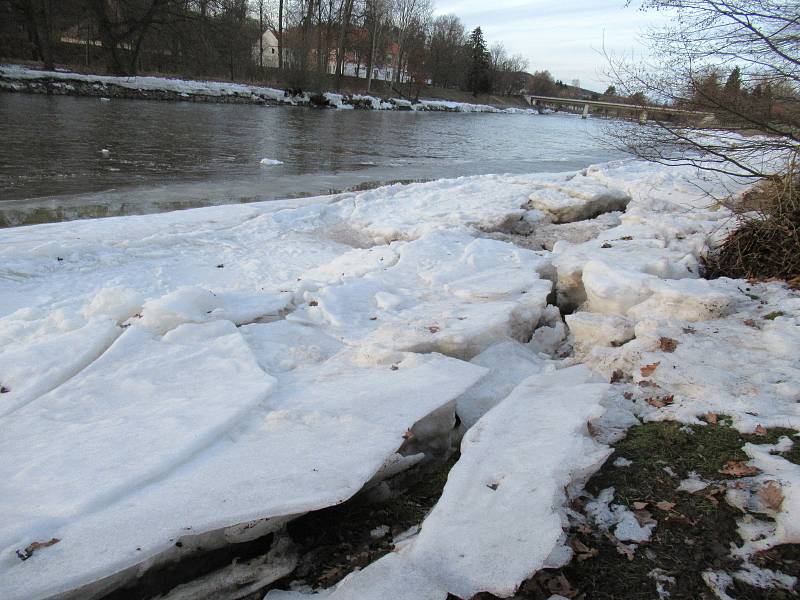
[
  {"x": 316, "y": 38},
  {"x": 735, "y": 100}
]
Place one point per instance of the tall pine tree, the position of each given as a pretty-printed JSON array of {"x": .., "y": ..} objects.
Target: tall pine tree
[{"x": 478, "y": 79}]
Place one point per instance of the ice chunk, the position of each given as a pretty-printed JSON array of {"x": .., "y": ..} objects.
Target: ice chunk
[
  {"x": 685, "y": 299},
  {"x": 612, "y": 290},
  {"x": 199, "y": 305},
  {"x": 268, "y": 162},
  {"x": 447, "y": 292},
  {"x": 499, "y": 517},
  {"x": 115, "y": 302},
  {"x": 508, "y": 363},
  {"x": 593, "y": 329},
  {"x": 577, "y": 200}
]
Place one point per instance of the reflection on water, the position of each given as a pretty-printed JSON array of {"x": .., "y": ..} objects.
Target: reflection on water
[{"x": 166, "y": 156}]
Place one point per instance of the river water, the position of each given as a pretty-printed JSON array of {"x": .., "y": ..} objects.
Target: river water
[{"x": 163, "y": 156}]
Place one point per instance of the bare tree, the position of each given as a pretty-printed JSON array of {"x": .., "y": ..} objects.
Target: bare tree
[{"x": 759, "y": 40}]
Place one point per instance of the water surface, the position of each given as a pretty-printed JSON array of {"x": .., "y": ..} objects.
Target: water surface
[{"x": 161, "y": 156}]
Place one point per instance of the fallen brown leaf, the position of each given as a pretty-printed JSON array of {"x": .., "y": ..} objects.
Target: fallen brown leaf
[
  {"x": 648, "y": 370},
  {"x": 578, "y": 545},
  {"x": 771, "y": 495},
  {"x": 433, "y": 328},
  {"x": 313, "y": 303},
  {"x": 660, "y": 401},
  {"x": 667, "y": 344},
  {"x": 751, "y": 323},
  {"x": 587, "y": 555},
  {"x": 560, "y": 585},
  {"x": 737, "y": 468},
  {"x": 711, "y": 418},
  {"x": 665, "y": 506},
  {"x": 625, "y": 551},
  {"x": 617, "y": 375},
  {"x": 628, "y": 395},
  {"x": 760, "y": 430},
  {"x": 640, "y": 505},
  {"x": 34, "y": 546}
]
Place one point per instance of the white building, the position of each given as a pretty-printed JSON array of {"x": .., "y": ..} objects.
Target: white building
[{"x": 269, "y": 47}]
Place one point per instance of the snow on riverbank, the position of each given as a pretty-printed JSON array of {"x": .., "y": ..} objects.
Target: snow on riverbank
[
  {"x": 17, "y": 78},
  {"x": 199, "y": 378}
]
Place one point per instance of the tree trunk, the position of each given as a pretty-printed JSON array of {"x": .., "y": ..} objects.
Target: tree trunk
[
  {"x": 280, "y": 35},
  {"x": 344, "y": 24},
  {"x": 375, "y": 32},
  {"x": 261, "y": 34}
]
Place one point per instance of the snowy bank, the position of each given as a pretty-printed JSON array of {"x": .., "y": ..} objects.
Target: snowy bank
[
  {"x": 17, "y": 78},
  {"x": 199, "y": 378}
]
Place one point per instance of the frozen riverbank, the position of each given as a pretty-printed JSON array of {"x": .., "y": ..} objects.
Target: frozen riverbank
[
  {"x": 273, "y": 359},
  {"x": 16, "y": 78}
]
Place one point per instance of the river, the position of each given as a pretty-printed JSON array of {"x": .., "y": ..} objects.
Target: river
[{"x": 164, "y": 156}]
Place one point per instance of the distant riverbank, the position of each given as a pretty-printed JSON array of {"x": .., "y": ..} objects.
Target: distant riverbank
[{"x": 16, "y": 78}]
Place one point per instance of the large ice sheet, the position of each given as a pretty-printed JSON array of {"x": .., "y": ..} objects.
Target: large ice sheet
[
  {"x": 324, "y": 433},
  {"x": 129, "y": 418}
]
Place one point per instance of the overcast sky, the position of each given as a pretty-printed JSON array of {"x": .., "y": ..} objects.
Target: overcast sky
[{"x": 562, "y": 36}]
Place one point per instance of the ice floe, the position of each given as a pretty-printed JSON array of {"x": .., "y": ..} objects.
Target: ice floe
[{"x": 200, "y": 378}]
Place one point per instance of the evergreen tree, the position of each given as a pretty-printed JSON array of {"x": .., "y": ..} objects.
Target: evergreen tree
[
  {"x": 733, "y": 86},
  {"x": 478, "y": 80}
]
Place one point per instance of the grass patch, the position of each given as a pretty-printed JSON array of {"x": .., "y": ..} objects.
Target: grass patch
[
  {"x": 774, "y": 315},
  {"x": 692, "y": 536}
]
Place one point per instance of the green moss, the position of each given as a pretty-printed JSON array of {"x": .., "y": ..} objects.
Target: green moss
[{"x": 774, "y": 315}]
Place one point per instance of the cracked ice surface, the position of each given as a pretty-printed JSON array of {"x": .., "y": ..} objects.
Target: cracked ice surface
[
  {"x": 154, "y": 392},
  {"x": 499, "y": 519}
]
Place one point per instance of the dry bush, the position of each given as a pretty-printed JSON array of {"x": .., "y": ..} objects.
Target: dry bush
[{"x": 766, "y": 244}]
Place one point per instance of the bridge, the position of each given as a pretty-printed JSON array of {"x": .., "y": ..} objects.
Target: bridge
[{"x": 642, "y": 111}]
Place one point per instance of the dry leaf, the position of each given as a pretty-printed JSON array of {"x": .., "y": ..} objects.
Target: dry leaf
[
  {"x": 433, "y": 328},
  {"x": 33, "y": 547},
  {"x": 665, "y": 506},
  {"x": 617, "y": 375},
  {"x": 313, "y": 303},
  {"x": 771, "y": 495},
  {"x": 660, "y": 402},
  {"x": 628, "y": 395},
  {"x": 639, "y": 505},
  {"x": 578, "y": 545},
  {"x": 561, "y": 586},
  {"x": 644, "y": 517},
  {"x": 648, "y": 370},
  {"x": 625, "y": 550},
  {"x": 751, "y": 323},
  {"x": 711, "y": 418},
  {"x": 737, "y": 468},
  {"x": 587, "y": 555},
  {"x": 760, "y": 430},
  {"x": 667, "y": 344}
]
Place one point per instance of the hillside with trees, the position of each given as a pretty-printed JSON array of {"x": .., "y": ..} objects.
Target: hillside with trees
[{"x": 307, "y": 44}]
